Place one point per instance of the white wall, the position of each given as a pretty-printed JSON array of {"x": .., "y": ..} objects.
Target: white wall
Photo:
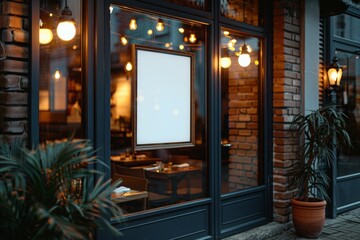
[{"x": 310, "y": 53}]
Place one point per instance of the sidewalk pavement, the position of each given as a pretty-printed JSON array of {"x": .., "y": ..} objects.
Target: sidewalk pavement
[{"x": 345, "y": 226}]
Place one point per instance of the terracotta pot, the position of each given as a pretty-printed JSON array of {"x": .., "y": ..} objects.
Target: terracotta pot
[{"x": 308, "y": 217}]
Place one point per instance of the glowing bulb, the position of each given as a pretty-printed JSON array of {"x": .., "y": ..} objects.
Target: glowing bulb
[
  {"x": 123, "y": 40},
  {"x": 128, "y": 66},
  {"x": 226, "y": 33},
  {"x": 133, "y": 24},
  {"x": 181, "y": 47},
  {"x": 167, "y": 45},
  {"x": 57, "y": 75},
  {"x": 334, "y": 76},
  {"x": 244, "y": 58},
  {"x": 160, "y": 26},
  {"x": 45, "y": 36},
  {"x": 192, "y": 38},
  {"x": 225, "y": 62},
  {"x": 150, "y": 32},
  {"x": 50, "y": 14},
  {"x": 257, "y": 62},
  {"x": 66, "y": 30},
  {"x": 231, "y": 44},
  {"x": 181, "y": 30}
]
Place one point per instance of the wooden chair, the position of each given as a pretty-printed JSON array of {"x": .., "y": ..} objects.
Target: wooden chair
[
  {"x": 134, "y": 183},
  {"x": 134, "y": 172}
]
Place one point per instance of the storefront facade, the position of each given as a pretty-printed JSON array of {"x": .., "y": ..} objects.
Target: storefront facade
[{"x": 190, "y": 99}]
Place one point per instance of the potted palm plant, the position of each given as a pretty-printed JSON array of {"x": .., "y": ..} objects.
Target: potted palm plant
[
  {"x": 49, "y": 192},
  {"x": 321, "y": 131}
]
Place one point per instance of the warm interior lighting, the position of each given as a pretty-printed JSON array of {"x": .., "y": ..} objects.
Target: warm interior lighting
[
  {"x": 45, "y": 34},
  {"x": 181, "y": 30},
  {"x": 181, "y": 47},
  {"x": 226, "y": 33},
  {"x": 133, "y": 24},
  {"x": 57, "y": 75},
  {"x": 225, "y": 62},
  {"x": 334, "y": 73},
  {"x": 128, "y": 66},
  {"x": 244, "y": 57},
  {"x": 192, "y": 38},
  {"x": 231, "y": 44},
  {"x": 160, "y": 26},
  {"x": 150, "y": 32},
  {"x": 123, "y": 40},
  {"x": 66, "y": 28}
]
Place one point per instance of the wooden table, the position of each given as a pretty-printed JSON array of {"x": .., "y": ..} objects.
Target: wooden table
[
  {"x": 134, "y": 162},
  {"x": 172, "y": 174},
  {"x": 130, "y": 196}
]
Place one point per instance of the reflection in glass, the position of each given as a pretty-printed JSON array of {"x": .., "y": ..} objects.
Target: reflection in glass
[
  {"x": 246, "y": 11},
  {"x": 349, "y": 100},
  {"x": 241, "y": 164},
  {"x": 164, "y": 176},
  {"x": 60, "y": 76},
  {"x": 346, "y": 26},
  {"x": 197, "y": 4}
]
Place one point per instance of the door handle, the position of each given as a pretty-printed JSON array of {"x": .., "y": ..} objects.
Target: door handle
[{"x": 226, "y": 144}]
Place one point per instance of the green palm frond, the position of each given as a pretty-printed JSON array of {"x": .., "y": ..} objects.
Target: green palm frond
[
  {"x": 50, "y": 192},
  {"x": 322, "y": 130}
]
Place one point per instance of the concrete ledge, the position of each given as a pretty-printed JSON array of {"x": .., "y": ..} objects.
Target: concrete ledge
[{"x": 263, "y": 232}]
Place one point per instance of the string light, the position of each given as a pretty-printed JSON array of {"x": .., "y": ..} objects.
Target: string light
[
  {"x": 132, "y": 24},
  {"x": 160, "y": 26},
  {"x": 192, "y": 38}
]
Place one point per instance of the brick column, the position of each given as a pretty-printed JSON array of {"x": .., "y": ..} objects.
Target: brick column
[
  {"x": 14, "y": 24},
  {"x": 287, "y": 99}
]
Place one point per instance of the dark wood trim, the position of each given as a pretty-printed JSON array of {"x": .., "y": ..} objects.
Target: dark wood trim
[{"x": 34, "y": 11}]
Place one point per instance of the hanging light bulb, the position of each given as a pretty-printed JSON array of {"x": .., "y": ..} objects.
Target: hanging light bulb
[
  {"x": 244, "y": 57},
  {"x": 45, "y": 34},
  {"x": 192, "y": 38},
  {"x": 66, "y": 28},
  {"x": 225, "y": 62},
  {"x": 123, "y": 40},
  {"x": 128, "y": 66},
  {"x": 160, "y": 26},
  {"x": 181, "y": 30},
  {"x": 57, "y": 75},
  {"x": 150, "y": 32},
  {"x": 132, "y": 24}
]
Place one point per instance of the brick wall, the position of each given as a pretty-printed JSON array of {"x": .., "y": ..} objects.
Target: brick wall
[
  {"x": 243, "y": 124},
  {"x": 14, "y": 27},
  {"x": 287, "y": 99}
]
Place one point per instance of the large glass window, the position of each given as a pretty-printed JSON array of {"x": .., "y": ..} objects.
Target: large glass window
[
  {"x": 240, "y": 81},
  {"x": 349, "y": 100},
  {"x": 60, "y": 70},
  {"x": 161, "y": 174},
  {"x": 346, "y": 26}
]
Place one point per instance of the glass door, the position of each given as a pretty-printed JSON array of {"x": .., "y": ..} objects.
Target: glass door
[
  {"x": 348, "y": 160},
  {"x": 244, "y": 192},
  {"x": 240, "y": 81}
]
